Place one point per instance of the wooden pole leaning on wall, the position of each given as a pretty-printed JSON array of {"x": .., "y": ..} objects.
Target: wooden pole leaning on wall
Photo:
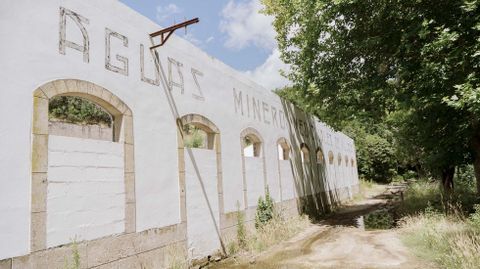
[{"x": 164, "y": 35}]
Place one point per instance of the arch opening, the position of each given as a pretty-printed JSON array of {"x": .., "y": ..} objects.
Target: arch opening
[
  {"x": 80, "y": 102},
  {"x": 252, "y": 146},
  {"x": 331, "y": 157},
  {"x": 304, "y": 153},
  {"x": 320, "y": 158},
  {"x": 283, "y": 149}
]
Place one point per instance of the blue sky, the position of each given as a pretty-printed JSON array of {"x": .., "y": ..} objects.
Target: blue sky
[{"x": 231, "y": 30}]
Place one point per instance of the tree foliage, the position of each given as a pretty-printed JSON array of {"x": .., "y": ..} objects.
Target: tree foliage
[
  {"x": 412, "y": 64},
  {"x": 77, "y": 110}
]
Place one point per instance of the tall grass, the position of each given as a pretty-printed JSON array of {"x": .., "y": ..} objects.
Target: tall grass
[
  {"x": 443, "y": 229},
  {"x": 276, "y": 230},
  {"x": 450, "y": 241}
]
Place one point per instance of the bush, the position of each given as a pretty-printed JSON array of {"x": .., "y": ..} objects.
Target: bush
[
  {"x": 77, "y": 110},
  {"x": 265, "y": 210},
  {"x": 379, "y": 219},
  {"x": 376, "y": 155},
  {"x": 474, "y": 218}
]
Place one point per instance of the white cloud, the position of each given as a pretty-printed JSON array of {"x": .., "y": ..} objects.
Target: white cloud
[
  {"x": 244, "y": 25},
  {"x": 209, "y": 39},
  {"x": 167, "y": 12},
  {"x": 268, "y": 74}
]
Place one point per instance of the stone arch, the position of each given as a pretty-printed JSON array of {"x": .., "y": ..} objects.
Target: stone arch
[
  {"x": 252, "y": 132},
  {"x": 123, "y": 133},
  {"x": 284, "y": 148},
  {"x": 305, "y": 153},
  {"x": 257, "y": 141},
  {"x": 320, "y": 157},
  {"x": 205, "y": 125},
  {"x": 331, "y": 157}
]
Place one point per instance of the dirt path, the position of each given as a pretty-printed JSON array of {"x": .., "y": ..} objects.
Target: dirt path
[{"x": 336, "y": 242}]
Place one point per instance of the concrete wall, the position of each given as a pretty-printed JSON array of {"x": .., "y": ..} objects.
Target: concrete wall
[{"x": 99, "y": 50}]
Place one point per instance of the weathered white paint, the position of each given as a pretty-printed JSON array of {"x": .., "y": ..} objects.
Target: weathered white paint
[
  {"x": 86, "y": 190},
  {"x": 254, "y": 179},
  {"x": 288, "y": 182},
  {"x": 210, "y": 88},
  {"x": 202, "y": 202}
]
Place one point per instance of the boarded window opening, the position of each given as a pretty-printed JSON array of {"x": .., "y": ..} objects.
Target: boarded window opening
[
  {"x": 320, "y": 158},
  {"x": 283, "y": 150},
  {"x": 346, "y": 160},
  {"x": 251, "y": 146},
  {"x": 78, "y": 117},
  {"x": 305, "y": 153},
  {"x": 330, "y": 157},
  {"x": 339, "y": 157}
]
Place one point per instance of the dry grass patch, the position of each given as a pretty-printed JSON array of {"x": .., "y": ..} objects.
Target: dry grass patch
[
  {"x": 450, "y": 241},
  {"x": 275, "y": 231}
]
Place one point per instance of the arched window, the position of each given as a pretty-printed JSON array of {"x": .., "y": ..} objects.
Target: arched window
[
  {"x": 346, "y": 160},
  {"x": 283, "y": 149},
  {"x": 320, "y": 158},
  {"x": 198, "y": 132},
  {"x": 252, "y": 145},
  {"x": 330, "y": 157},
  {"x": 339, "y": 157},
  {"x": 305, "y": 153},
  {"x": 80, "y": 103},
  {"x": 352, "y": 162}
]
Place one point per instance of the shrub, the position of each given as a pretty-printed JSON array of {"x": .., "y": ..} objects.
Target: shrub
[
  {"x": 265, "y": 210},
  {"x": 379, "y": 219},
  {"x": 77, "y": 110},
  {"x": 474, "y": 218},
  {"x": 241, "y": 231},
  {"x": 193, "y": 137}
]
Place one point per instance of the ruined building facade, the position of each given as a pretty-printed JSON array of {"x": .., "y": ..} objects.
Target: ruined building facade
[{"x": 128, "y": 196}]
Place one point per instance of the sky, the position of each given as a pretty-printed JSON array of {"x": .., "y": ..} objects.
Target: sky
[{"x": 233, "y": 31}]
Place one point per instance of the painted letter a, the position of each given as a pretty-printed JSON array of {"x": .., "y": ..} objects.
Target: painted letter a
[{"x": 79, "y": 21}]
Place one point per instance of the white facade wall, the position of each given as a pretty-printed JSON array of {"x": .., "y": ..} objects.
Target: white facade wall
[
  {"x": 30, "y": 57},
  {"x": 86, "y": 190},
  {"x": 255, "y": 179},
  {"x": 202, "y": 202}
]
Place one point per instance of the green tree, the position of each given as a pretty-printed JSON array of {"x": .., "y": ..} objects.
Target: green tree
[{"x": 413, "y": 63}]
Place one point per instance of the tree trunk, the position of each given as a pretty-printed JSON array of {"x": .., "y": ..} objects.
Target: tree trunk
[
  {"x": 447, "y": 184},
  {"x": 476, "y": 168},
  {"x": 447, "y": 179},
  {"x": 476, "y": 161}
]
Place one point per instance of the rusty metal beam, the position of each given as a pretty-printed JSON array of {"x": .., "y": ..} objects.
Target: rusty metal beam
[{"x": 167, "y": 32}]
